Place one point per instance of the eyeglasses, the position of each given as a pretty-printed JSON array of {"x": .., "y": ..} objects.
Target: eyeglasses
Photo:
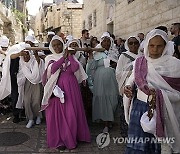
[{"x": 133, "y": 43}]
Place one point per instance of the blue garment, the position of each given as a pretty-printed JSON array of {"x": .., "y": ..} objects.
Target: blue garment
[
  {"x": 105, "y": 90},
  {"x": 136, "y": 132}
]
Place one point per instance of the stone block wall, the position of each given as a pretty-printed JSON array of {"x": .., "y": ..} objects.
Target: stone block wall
[
  {"x": 101, "y": 13},
  {"x": 144, "y": 15},
  {"x": 10, "y": 25}
]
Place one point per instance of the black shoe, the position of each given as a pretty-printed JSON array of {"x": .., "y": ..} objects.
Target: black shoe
[
  {"x": 16, "y": 120},
  {"x": 61, "y": 148}
]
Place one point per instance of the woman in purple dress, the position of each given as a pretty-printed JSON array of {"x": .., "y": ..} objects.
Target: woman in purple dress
[{"x": 62, "y": 101}]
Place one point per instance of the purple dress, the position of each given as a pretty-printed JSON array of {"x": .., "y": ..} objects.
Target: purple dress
[{"x": 66, "y": 123}]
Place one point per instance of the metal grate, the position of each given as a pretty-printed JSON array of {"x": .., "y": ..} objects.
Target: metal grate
[{"x": 13, "y": 138}]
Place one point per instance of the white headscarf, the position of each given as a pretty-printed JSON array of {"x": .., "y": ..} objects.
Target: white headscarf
[
  {"x": 111, "y": 54},
  {"x": 52, "y": 79},
  {"x": 169, "y": 48},
  {"x": 77, "y": 55},
  {"x": 4, "y": 41},
  {"x": 127, "y": 48},
  {"x": 31, "y": 69},
  {"x": 50, "y": 33},
  {"x": 69, "y": 37},
  {"x": 126, "y": 43},
  {"x": 31, "y": 38}
]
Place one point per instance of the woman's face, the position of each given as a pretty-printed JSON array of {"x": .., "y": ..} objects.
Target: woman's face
[
  {"x": 156, "y": 47},
  {"x": 57, "y": 46},
  {"x": 94, "y": 43},
  {"x": 106, "y": 43},
  {"x": 133, "y": 45},
  {"x": 73, "y": 45},
  {"x": 26, "y": 56}
]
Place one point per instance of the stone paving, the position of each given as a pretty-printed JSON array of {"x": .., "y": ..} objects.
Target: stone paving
[{"x": 37, "y": 139}]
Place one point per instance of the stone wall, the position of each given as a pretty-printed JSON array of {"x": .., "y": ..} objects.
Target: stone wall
[
  {"x": 101, "y": 13},
  {"x": 10, "y": 25},
  {"x": 144, "y": 15},
  {"x": 76, "y": 23},
  {"x": 67, "y": 16},
  {"x": 129, "y": 19}
]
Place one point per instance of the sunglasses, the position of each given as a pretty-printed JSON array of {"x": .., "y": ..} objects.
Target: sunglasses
[{"x": 133, "y": 43}]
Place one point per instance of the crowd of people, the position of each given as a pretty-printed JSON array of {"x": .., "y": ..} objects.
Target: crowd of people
[{"x": 75, "y": 78}]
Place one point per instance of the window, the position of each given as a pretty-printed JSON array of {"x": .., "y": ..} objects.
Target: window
[
  {"x": 90, "y": 22},
  {"x": 94, "y": 18},
  {"x": 129, "y": 1}
]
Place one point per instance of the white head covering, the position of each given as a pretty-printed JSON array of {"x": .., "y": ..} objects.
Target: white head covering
[
  {"x": 111, "y": 54},
  {"x": 69, "y": 37},
  {"x": 51, "y": 33},
  {"x": 73, "y": 40},
  {"x": 4, "y": 41},
  {"x": 169, "y": 48},
  {"x": 126, "y": 43},
  {"x": 107, "y": 35},
  {"x": 54, "y": 55},
  {"x": 31, "y": 69},
  {"x": 31, "y": 38}
]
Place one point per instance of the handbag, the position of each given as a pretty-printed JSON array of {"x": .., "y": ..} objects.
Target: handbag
[
  {"x": 148, "y": 125},
  {"x": 59, "y": 93}
]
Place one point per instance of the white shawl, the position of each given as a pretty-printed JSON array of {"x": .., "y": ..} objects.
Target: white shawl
[
  {"x": 5, "y": 83},
  {"x": 124, "y": 69},
  {"x": 2, "y": 57},
  {"x": 31, "y": 69}
]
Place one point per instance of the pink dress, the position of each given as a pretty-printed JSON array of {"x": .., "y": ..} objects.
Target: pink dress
[{"x": 66, "y": 123}]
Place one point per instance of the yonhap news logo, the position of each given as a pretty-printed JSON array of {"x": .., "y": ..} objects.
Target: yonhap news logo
[{"x": 103, "y": 140}]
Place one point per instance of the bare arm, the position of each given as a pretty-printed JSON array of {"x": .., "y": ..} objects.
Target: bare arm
[
  {"x": 37, "y": 57},
  {"x": 16, "y": 55},
  {"x": 2, "y": 52}
]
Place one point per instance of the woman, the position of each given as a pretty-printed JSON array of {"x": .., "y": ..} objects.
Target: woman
[
  {"x": 94, "y": 42},
  {"x": 124, "y": 65},
  {"x": 62, "y": 101},
  {"x": 154, "y": 84},
  {"x": 105, "y": 87},
  {"x": 124, "y": 70},
  {"x": 32, "y": 67}
]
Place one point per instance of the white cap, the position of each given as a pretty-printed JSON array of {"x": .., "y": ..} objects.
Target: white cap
[
  {"x": 31, "y": 38},
  {"x": 4, "y": 41},
  {"x": 105, "y": 34},
  {"x": 69, "y": 37},
  {"x": 51, "y": 33}
]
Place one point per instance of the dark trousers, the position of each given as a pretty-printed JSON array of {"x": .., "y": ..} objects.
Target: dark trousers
[{"x": 14, "y": 97}]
